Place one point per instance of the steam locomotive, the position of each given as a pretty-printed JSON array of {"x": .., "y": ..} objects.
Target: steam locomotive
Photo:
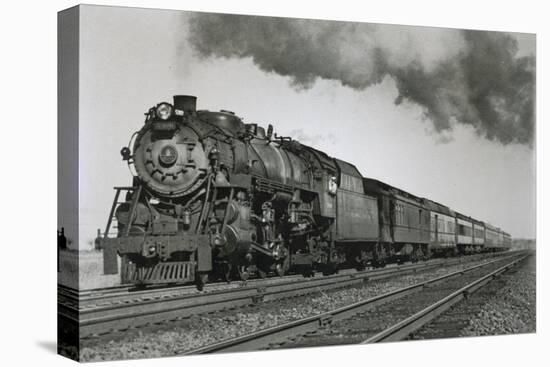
[{"x": 213, "y": 197}]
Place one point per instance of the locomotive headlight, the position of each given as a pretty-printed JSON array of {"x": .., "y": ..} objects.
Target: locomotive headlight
[{"x": 164, "y": 111}]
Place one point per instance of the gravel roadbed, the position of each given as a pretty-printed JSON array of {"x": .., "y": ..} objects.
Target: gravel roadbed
[
  {"x": 513, "y": 308},
  {"x": 179, "y": 335},
  {"x": 507, "y": 305}
]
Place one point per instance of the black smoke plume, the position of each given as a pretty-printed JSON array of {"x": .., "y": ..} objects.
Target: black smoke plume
[{"x": 466, "y": 77}]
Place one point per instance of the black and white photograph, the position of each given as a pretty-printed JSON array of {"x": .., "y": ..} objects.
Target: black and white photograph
[{"x": 247, "y": 183}]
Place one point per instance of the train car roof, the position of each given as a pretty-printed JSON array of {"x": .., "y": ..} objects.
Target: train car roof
[
  {"x": 466, "y": 217},
  {"x": 437, "y": 207},
  {"x": 470, "y": 219},
  {"x": 463, "y": 216},
  {"x": 327, "y": 162},
  {"x": 348, "y": 168},
  {"x": 376, "y": 186}
]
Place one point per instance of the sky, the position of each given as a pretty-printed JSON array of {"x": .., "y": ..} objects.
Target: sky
[{"x": 401, "y": 116}]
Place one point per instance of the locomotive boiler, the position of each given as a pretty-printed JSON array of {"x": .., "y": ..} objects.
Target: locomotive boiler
[{"x": 213, "y": 197}]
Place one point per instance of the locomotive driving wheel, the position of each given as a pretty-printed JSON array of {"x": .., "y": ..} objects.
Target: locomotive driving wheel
[
  {"x": 282, "y": 267},
  {"x": 263, "y": 267}
]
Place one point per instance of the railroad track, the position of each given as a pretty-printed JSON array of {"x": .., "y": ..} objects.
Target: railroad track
[
  {"x": 128, "y": 293},
  {"x": 388, "y": 317},
  {"x": 99, "y": 297},
  {"x": 102, "y": 311}
]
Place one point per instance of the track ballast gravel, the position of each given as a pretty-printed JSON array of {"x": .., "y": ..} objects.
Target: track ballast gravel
[
  {"x": 187, "y": 334},
  {"x": 507, "y": 305}
]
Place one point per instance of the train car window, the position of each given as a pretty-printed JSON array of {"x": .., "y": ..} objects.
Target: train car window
[{"x": 398, "y": 214}]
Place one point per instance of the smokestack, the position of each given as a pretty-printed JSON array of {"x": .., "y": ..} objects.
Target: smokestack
[{"x": 187, "y": 104}]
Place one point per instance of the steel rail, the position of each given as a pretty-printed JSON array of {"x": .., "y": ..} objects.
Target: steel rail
[
  {"x": 280, "y": 333},
  {"x": 97, "y": 297},
  {"x": 129, "y": 311},
  {"x": 147, "y": 308},
  {"x": 402, "y": 329},
  {"x": 124, "y": 315}
]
